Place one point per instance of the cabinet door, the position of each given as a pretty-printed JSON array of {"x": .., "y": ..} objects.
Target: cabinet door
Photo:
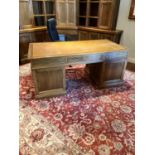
[
  {"x": 71, "y": 13},
  {"x": 106, "y": 36},
  {"x": 49, "y": 81},
  {"x": 110, "y": 72},
  {"x": 93, "y": 35},
  {"x": 83, "y": 35},
  {"x": 24, "y": 40},
  {"x": 61, "y": 12},
  {"x": 108, "y": 13},
  {"x": 66, "y": 12},
  {"x": 25, "y": 12},
  {"x": 113, "y": 37},
  {"x": 41, "y": 36}
]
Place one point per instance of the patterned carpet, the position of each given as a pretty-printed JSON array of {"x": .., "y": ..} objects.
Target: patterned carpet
[{"x": 85, "y": 121}]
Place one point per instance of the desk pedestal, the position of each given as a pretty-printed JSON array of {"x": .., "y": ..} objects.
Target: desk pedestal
[
  {"x": 49, "y": 81},
  {"x": 108, "y": 73}
]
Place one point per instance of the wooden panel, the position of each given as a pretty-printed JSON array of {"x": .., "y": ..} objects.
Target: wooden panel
[
  {"x": 24, "y": 40},
  {"x": 113, "y": 70},
  {"x": 49, "y": 81},
  {"x": 25, "y": 13},
  {"x": 71, "y": 13},
  {"x": 93, "y": 35},
  {"x": 86, "y": 33},
  {"x": 53, "y": 79},
  {"x": 86, "y": 58},
  {"x": 83, "y": 35},
  {"x": 110, "y": 72},
  {"x": 41, "y": 36},
  {"x": 105, "y": 14},
  {"x": 61, "y": 12},
  {"x": 131, "y": 66},
  {"x": 49, "y": 62},
  {"x": 108, "y": 14},
  {"x": 66, "y": 12},
  {"x": 106, "y": 36}
]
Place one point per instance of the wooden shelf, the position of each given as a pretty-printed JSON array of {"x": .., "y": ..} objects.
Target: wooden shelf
[
  {"x": 40, "y": 15},
  {"x": 50, "y": 14}
]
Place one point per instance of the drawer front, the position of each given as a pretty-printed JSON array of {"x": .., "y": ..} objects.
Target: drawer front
[
  {"x": 75, "y": 59},
  {"x": 48, "y": 62},
  {"x": 86, "y": 58}
]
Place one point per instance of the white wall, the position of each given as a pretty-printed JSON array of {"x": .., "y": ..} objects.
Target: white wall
[{"x": 128, "y": 27}]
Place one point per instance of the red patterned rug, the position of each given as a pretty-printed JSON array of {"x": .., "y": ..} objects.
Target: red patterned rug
[{"x": 85, "y": 121}]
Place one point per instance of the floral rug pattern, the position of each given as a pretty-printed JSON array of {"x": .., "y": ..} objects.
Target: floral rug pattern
[{"x": 84, "y": 121}]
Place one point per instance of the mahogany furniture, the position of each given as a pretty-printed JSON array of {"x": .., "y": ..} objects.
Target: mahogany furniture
[{"x": 106, "y": 59}]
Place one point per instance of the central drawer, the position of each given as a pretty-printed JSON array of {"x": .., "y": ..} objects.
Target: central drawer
[{"x": 86, "y": 58}]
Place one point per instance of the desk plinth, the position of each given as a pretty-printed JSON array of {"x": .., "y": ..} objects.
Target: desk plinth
[{"x": 106, "y": 64}]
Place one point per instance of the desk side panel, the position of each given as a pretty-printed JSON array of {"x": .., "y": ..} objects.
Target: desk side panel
[
  {"x": 49, "y": 81},
  {"x": 109, "y": 72}
]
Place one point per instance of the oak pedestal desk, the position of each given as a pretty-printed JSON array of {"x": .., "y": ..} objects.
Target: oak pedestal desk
[{"x": 106, "y": 64}]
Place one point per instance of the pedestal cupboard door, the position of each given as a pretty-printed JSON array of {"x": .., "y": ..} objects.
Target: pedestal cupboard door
[
  {"x": 113, "y": 70},
  {"x": 49, "y": 81},
  {"x": 109, "y": 72}
]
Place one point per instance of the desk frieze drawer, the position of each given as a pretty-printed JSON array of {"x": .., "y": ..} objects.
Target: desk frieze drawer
[
  {"x": 86, "y": 58},
  {"x": 41, "y": 63}
]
